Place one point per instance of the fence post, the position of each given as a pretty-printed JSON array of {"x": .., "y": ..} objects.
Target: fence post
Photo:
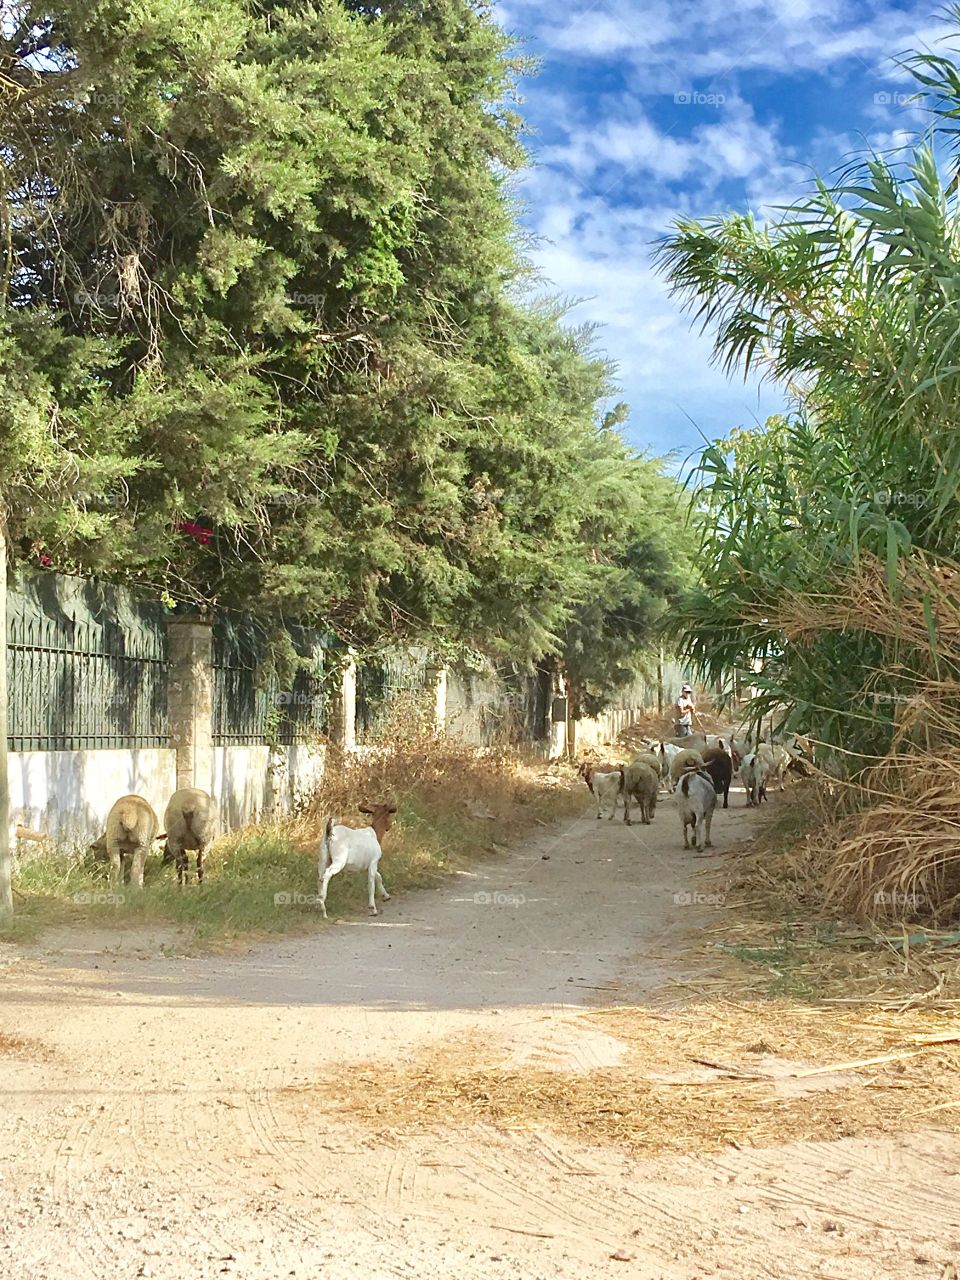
[
  {"x": 190, "y": 700},
  {"x": 435, "y": 684},
  {"x": 343, "y": 707}
]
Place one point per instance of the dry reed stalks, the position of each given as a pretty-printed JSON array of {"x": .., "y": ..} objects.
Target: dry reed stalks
[{"x": 889, "y": 845}]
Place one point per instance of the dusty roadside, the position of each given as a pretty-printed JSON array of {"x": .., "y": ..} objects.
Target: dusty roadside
[{"x": 160, "y": 1117}]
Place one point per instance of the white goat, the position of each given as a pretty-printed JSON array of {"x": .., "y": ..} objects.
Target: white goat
[
  {"x": 606, "y": 785},
  {"x": 132, "y": 826},
  {"x": 356, "y": 850},
  {"x": 667, "y": 752},
  {"x": 753, "y": 772},
  {"x": 697, "y": 800}
]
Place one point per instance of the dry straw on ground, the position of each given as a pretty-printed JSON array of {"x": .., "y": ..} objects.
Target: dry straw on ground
[{"x": 691, "y": 1080}]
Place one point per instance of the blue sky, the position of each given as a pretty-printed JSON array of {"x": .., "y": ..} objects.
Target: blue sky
[{"x": 646, "y": 109}]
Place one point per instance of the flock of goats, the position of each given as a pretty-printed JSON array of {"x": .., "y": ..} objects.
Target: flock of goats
[{"x": 697, "y": 773}]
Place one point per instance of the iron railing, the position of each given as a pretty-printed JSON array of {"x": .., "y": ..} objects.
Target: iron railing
[
  {"x": 77, "y": 685},
  {"x": 250, "y": 705},
  {"x": 380, "y": 683}
]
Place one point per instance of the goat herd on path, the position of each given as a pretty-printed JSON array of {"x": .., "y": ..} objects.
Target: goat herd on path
[{"x": 698, "y": 772}]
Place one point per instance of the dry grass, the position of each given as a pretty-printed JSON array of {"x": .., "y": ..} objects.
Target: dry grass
[{"x": 664, "y": 1098}]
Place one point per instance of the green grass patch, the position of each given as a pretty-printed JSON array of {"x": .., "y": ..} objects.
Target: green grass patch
[{"x": 262, "y": 882}]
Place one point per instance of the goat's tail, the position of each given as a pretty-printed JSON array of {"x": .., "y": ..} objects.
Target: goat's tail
[
  {"x": 685, "y": 784},
  {"x": 620, "y": 771},
  {"x": 325, "y": 844}
]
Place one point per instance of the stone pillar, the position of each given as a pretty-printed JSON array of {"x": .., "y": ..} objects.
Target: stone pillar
[
  {"x": 559, "y": 717},
  {"x": 343, "y": 708},
  {"x": 435, "y": 688},
  {"x": 190, "y": 700}
]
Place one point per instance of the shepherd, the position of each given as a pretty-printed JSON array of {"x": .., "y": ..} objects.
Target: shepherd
[{"x": 686, "y": 709}]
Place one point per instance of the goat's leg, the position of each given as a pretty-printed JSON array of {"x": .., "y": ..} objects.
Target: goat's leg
[
  {"x": 136, "y": 866},
  {"x": 182, "y": 867},
  {"x": 116, "y": 867},
  {"x": 200, "y": 866},
  {"x": 706, "y": 822},
  {"x": 371, "y": 885},
  {"x": 684, "y": 824},
  {"x": 382, "y": 887},
  {"x": 626, "y": 808},
  {"x": 330, "y": 872}
]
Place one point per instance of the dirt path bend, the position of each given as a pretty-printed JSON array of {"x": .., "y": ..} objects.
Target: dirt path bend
[{"x": 155, "y": 1119}]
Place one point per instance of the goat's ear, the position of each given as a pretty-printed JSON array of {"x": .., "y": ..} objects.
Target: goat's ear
[
  {"x": 391, "y": 808},
  {"x": 364, "y": 808}
]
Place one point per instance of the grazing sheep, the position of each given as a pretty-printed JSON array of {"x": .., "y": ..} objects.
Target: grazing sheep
[
  {"x": 607, "y": 785},
  {"x": 697, "y": 801},
  {"x": 642, "y": 782},
  {"x": 131, "y": 828},
  {"x": 191, "y": 823},
  {"x": 682, "y": 762},
  {"x": 753, "y": 772},
  {"x": 357, "y": 850}
]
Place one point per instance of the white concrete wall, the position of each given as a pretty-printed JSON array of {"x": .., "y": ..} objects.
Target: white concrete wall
[
  {"x": 603, "y": 730},
  {"x": 68, "y": 794},
  {"x": 253, "y": 783}
]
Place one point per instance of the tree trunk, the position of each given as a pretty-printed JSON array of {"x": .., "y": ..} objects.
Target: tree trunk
[
  {"x": 660, "y": 681},
  {"x": 6, "y": 868}
]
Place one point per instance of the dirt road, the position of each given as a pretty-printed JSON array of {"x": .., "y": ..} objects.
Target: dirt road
[{"x": 153, "y": 1122}]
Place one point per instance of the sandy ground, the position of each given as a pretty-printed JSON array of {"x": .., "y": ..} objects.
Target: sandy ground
[{"x": 147, "y": 1126}]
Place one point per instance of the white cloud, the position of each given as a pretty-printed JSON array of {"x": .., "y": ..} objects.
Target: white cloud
[
  {"x": 710, "y": 38},
  {"x": 615, "y": 170}
]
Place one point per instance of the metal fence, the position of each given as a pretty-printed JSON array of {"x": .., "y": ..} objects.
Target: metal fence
[
  {"x": 250, "y": 704},
  {"x": 380, "y": 683},
  {"x": 75, "y": 684}
]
